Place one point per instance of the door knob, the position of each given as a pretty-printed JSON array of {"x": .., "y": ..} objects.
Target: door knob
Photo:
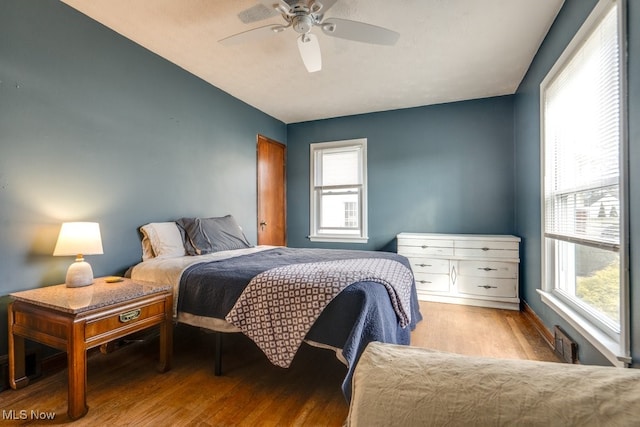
[{"x": 263, "y": 225}]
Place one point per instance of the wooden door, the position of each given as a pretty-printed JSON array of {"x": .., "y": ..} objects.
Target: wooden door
[{"x": 272, "y": 202}]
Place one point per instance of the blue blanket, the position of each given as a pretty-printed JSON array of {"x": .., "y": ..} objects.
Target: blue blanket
[{"x": 360, "y": 314}]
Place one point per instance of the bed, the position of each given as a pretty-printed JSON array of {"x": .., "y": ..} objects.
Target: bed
[{"x": 280, "y": 296}]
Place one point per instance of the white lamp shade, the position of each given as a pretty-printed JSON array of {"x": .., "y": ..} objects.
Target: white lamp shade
[{"x": 77, "y": 238}]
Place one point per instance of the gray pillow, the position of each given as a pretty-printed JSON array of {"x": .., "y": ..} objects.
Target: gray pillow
[{"x": 207, "y": 235}]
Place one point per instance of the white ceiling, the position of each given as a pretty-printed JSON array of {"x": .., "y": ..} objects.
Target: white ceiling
[{"x": 449, "y": 50}]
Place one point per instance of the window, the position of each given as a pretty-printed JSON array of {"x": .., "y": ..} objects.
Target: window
[
  {"x": 584, "y": 181},
  {"x": 339, "y": 191}
]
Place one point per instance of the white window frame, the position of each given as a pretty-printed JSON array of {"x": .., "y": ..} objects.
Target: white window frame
[
  {"x": 615, "y": 347},
  {"x": 314, "y": 211}
]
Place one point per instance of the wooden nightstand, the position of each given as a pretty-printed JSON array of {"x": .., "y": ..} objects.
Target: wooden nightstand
[{"x": 77, "y": 319}]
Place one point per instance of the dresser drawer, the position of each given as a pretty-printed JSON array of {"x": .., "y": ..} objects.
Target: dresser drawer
[
  {"x": 432, "y": 282},
  {"x": 127, "y": 317},
  {"x": 429, "y": 265},
  {"x": 487, "y": 249},
  {"x": 507, "y": 270},
  {"x": 488, "y": 287},
  {"x": 425, "y": 247}
]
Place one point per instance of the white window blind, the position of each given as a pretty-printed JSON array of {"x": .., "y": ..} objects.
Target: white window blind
[{"x": 582, "y": 143}]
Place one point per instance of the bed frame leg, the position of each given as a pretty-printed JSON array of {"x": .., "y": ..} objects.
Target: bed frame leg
[{"x": 217, "y": 370}]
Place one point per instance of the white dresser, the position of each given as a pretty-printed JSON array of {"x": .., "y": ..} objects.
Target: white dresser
[{"x": 468, "y": 269}]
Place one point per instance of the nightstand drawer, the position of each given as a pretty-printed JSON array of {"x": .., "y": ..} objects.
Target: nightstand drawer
[
  {"x": 129, "y": 317},
  {"x": 489, "y": 287}
]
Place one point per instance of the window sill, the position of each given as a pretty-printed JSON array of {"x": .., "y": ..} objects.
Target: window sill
[
  {"x": 609, "y": 347},
  {"x": 339, "y": 239}
]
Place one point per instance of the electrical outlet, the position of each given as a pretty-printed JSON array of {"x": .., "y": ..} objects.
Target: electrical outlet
[{"x": 564, "y": 346}]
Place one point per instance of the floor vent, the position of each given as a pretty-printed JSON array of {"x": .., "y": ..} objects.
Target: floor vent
[{"x": 564, "y": 346}]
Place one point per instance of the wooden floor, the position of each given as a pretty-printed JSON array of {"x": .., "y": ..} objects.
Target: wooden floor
[{"x": 124, "y": 389}]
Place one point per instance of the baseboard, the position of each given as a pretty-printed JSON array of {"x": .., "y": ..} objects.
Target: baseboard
[
  {"x": 54, "y": 363},
  {"x": 4, "y": 372},
  {"x": 546, "y": 334}
]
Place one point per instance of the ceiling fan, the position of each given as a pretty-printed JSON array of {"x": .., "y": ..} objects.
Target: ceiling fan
[{"x": 302, "y": 16}]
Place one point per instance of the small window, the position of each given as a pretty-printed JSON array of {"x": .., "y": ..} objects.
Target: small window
[
  {"x": 584, "y": 181},
  {"x": 339, "y": 191}
]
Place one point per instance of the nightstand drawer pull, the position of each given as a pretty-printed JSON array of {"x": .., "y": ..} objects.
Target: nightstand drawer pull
[
  {"x": 487, "y": 286},
  {"x": 130, "y": 315}
]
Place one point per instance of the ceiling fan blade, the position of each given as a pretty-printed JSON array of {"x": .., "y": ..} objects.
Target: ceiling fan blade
[
  {"x": 321, "y": 6},
  {"x": 359, "y": 31},
  {"x": 253, "y": 34},
  {"x": 257, "y": 13},
  {"x": 280, "y": 6},
  {"x": 310, "y": 52}
]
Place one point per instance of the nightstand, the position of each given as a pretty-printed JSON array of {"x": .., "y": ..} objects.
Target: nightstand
[{"x": 77, "y": 319}]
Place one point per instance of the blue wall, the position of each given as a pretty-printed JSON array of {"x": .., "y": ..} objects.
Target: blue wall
[
  {"x": 444, "y": 168},
  {"x": 94, "y": 127},
  {"x": 527, "y": 149}
]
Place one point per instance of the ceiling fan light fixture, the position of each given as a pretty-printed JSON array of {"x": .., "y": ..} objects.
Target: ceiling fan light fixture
[
  {"x": 281, "y": 7},
  {"x": 315, "y": 7},
  {"x": 302, "y": 24},
  {"x": 329, "y": 27}
]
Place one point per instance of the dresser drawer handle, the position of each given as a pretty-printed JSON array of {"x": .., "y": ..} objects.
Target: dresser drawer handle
[
  {"x": 423, "y": 265},
  {"x": 486, "y": 249},
  {"x": 487, "y": 269},
  {"x": 425, "y": 281},
  {"x": 130, "y": 315},
  {"x": 487, "y": 286},
  {"x": 424, "y": 246}
]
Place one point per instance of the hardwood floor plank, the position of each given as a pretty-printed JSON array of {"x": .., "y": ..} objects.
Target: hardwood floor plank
[
  {"x": 125, "y": 389},
  {"x": 479, "y": 331}
]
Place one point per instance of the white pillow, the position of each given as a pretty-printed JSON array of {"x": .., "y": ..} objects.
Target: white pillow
[
  {"x": 147, "y": 250},
  {"x": 161, "y": 240}
]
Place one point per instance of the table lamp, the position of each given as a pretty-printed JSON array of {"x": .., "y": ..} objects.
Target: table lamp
[{"x": 79, "y": 238}]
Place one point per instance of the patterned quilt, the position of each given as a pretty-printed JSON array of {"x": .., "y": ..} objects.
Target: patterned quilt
[
  {"x": 280, "y": 305},
  {"x": 358, "y": 315}
]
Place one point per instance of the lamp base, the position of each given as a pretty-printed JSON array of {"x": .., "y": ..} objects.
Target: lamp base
[{"x": 79, "y": 274}]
